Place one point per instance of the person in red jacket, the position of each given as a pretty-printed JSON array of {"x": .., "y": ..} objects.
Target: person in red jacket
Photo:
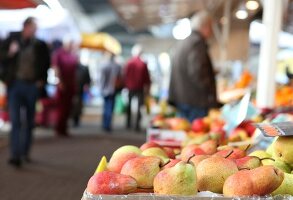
[{"x": 137, "y": 81}]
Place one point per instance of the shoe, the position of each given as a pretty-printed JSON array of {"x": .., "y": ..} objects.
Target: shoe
[
  {"x": 27, "y": 159},
  {"x": 15, "y": 162}
]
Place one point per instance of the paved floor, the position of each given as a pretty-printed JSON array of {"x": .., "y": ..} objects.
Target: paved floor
[{"x": 62, "y": 166}]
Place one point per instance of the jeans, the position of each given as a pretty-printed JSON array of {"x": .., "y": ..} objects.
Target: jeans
[
  {"x": 109, "y": 103},
  {"x": 191, "y": 112},
  {"x": 22, "y": 98},
  {"x": 140, "y": 97}
]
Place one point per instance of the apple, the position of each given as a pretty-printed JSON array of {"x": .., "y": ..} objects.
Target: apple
[{"x": 199, "y": 125}]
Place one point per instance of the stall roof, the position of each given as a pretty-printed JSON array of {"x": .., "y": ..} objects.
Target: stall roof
[{"x": 17, "y": 4}]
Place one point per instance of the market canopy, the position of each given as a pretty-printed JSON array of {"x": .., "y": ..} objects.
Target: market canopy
[
  {"x": 101, "y": 41},
  {"x": 17, "y": 4}
]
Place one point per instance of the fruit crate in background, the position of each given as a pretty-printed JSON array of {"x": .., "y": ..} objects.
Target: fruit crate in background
[{"x": 165, "y": 137}]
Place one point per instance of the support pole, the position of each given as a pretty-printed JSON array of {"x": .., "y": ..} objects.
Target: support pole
[{"x": 266, "y": 85}]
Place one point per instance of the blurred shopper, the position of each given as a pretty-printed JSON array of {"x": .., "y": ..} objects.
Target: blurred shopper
[
  {"x": 137, "y": 81},
  {"x": 192, "y": 86},
  {"x": 65, "y": 61},
  {"x": 26, "y": 60},
  {"x": 83, "y": 81},
  {"x": 111, "y": 83}
]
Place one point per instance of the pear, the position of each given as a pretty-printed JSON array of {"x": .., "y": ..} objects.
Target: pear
[
  {"x": 212, "y": 173},
  {"x": 270, "y": 148},
  {"x": 236, "y": 154},
  {"x": 191, "y": 150},
  {"x": 260, "y": 181},
  {"x": 283, "y": 149},
  {"x": 107, "y": 182},
  {"x": 143, "y": 170},
  {"x": 147, "y": 145},
  {"x": 277, "y": 163},
  {"x": 209, "y": 146},
  {"x": 156, "y": 151},
  {"x": 248, "y": 162},
  {"x": 286, "y": 187},
  {"x": 197, "y": 159},
  {"x": 260, "y": 154},
  {"x": 177, "y": 180},
  {"x": 121, "y": 156}
]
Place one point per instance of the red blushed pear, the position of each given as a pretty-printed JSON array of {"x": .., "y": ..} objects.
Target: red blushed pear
[
  {"x": 121, "y": 156},
  {"x": 209, "y": 147},
  {"x": 143, "y": 169},
  {"x": 260, "y": 181},
  {"x": 236, "y": 153},
  {"x": 149, "y": 145},
  {"x": 170, "y": 152},
  {"x": 111, "y": 183},
  {"x": 191, "y": 150}
]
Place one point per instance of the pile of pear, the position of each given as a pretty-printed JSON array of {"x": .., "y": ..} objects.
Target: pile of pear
[{"x": 226, "y": 170}]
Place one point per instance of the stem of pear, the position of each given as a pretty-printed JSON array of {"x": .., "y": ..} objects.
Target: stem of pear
[
  {"x": 267, "y": 159},
  {"x": 164, "y": 164},
  {"x": 229, "y": 154},
  {"x": 247, "y": 147},
  {"x": 188, "y": 160}
]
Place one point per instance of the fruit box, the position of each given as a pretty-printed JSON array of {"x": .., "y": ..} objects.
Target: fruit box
[
  {"x": 165, "y": 137},
  {"x": 199, "y": 196}
]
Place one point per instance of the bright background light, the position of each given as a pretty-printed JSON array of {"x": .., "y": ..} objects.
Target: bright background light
[
  {"x": 241, "y": 14},
  {"x": 182, "y": 29},
  {"x": 252, "y": 5}
]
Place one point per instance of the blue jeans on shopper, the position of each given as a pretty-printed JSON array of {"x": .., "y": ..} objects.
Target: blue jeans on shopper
[
  {"x": 109, "y": 103},
  {"x": 191, "y": 112},
  {"x": 22, "y": 98}
]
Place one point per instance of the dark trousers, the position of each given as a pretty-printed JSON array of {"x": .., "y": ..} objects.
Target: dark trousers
[
  {"x": 64, "y": 106},
  {"x": 140, "y": 96},
  {"x": 109, "y": 103},
  {"x": 191, "y": 112},
  {"x": 22, "y": 98}
]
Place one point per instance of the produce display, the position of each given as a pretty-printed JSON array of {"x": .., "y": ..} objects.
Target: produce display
[{"x": 206, "y": 161}]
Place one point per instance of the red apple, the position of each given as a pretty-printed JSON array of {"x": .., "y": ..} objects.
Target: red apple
[{"x": 199, "y": 125}]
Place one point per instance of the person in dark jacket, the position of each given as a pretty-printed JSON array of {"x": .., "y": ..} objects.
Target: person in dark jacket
[
  {"x": 192, "y": 86},
  {"x": 26, "y": 60}
]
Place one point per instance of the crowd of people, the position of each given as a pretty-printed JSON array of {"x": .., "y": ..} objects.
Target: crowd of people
[{"x": 25, "y": 61}]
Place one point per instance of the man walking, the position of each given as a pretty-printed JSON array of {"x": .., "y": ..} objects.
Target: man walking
[{"x": 26, "y": 61}]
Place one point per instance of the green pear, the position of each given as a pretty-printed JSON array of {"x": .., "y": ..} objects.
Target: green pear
[
  {"x": 286, "y": 187},
  {"x": 260, "y": 154},
  {"x": 277, "y": 163},
  {"x": 121, "y": 156},
  {"x": 212, "y": 173},
  {"x": 270, "y": 148},
  {"x": 283, "y": 149},
  {"x": 177, "y": 180},
  {"x": 158, "y": 152}
]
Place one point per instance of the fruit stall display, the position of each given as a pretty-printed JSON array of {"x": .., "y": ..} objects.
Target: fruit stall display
[{"x": 207, "y": 163}]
